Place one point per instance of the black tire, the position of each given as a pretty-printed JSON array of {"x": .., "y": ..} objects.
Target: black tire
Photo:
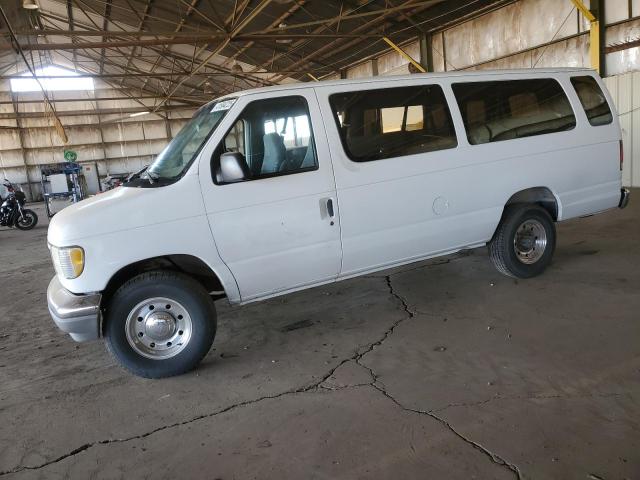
[
  {"x": 177, "y": 287},
  {"x": 502, "y": 249},
  {"x": 30, "y": 220}
]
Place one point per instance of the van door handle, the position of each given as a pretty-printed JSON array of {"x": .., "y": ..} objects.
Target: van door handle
[{"x": 330, "y": 208}]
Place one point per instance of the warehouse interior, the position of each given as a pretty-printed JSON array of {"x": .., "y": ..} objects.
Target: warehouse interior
[{"x": 437, "y": 369}]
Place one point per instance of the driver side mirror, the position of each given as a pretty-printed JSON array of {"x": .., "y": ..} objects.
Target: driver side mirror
[{"x": 233, "y": 168}]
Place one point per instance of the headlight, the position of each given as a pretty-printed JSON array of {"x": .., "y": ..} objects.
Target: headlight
[{"x": 68, "y": 261}]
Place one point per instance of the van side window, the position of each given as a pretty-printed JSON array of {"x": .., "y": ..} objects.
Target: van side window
[
  {"x": 274, "y": 136},
  {"x": 593, "y": 100},
  {"x": 509, "y": 109},
  {"x": 234, "y": 141},
  {"x": 393, "y": 122}
]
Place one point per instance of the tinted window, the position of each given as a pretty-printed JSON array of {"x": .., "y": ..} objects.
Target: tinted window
[
  {"x": 274, "y": 137},
  {"x": 393, "y": 122},
  {"x": 505, "y": 110},
  {"x": 593, "y": 100}
]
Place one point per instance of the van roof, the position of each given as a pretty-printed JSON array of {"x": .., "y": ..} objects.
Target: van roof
[{"x": 386, "y": 78}]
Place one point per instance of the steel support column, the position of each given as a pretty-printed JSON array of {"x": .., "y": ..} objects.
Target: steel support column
[
  {"x": 19, "y": 124},
  {"x": 426, "y": 52}
]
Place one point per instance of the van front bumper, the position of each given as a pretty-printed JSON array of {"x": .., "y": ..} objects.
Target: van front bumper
[
  {"x": 77, "y": 315},
  {"x": 624, "y": 197}
]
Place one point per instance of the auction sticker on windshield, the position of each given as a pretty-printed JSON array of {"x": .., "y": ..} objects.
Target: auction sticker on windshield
[{"x": 223, "y": 105}]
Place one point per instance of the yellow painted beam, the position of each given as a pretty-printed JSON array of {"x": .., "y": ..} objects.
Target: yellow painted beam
[
  {"x": 404, "y": 54},
  {"x": 584, "y": 10},
  {"x": 594, "y": 34},
  {"x": 313, "y": 77}
]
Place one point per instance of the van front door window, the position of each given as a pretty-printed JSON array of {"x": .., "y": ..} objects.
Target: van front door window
[{"x": 276, "y": 138}]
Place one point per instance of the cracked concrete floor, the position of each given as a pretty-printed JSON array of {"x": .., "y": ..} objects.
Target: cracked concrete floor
[{"x": 443, "y": 369}]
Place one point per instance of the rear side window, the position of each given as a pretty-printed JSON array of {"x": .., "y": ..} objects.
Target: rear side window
[
  {"x": 593, "y": 100},
  {"x": 510, "y": 109},
  {"x": 393, "y": 122}
]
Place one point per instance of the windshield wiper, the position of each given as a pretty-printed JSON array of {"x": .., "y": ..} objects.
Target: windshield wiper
[
  {"x": 137, "y": 174},
  {"x": 144, "y": 172},
  {"x": 152, "y": 177}
]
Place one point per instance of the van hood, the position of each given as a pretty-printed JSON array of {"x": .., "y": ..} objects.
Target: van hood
[{"x": 125, "y": 208}]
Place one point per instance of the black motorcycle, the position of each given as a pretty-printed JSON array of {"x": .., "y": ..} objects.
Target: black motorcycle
[{"x": 12, "y": 211}]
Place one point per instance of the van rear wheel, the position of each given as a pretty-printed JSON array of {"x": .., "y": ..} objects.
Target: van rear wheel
[
  {"x": 524, "y": 242},
  {"x": 160, "y": 324}
]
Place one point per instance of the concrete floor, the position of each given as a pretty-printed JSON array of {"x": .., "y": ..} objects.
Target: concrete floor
[{"x": 443, "y": 369}]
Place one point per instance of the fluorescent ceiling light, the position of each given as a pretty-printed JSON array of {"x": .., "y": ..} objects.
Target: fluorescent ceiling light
[{"x": 137, "y": 114}]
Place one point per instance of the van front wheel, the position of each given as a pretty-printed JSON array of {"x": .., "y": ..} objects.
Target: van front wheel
[
  {"x": 160, "y": 324},
  {"x": 524, "y": 242}
]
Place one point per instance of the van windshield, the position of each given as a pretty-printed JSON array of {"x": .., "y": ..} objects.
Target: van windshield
[{"x": 176, "y": 157}]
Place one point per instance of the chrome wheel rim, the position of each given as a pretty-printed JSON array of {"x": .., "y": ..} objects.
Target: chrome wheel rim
[
  {"x": 158, "y": 328},
  {"x": 530, "y": 241}
]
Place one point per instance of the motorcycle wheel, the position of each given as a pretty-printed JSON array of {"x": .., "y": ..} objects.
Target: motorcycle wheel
[{"x": 28, "y": 220}]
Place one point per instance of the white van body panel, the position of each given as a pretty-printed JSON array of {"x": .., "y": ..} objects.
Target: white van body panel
[
  {"x": 128, "y": 225},
  {"x": 271, "y": 236}
]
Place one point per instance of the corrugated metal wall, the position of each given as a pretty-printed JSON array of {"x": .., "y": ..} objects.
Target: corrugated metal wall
[
  {"x": 537, "y": 33},
  {"x": 114, "y": 142},
  {"x": 520, "y": 26},
  {"x": 625, "y": 90},
  {"x": 525, "y": 34}
]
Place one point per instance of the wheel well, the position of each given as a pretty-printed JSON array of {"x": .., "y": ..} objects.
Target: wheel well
[
  {"x": 188, "y": 264},
  {"x": 539, "y": 195}
]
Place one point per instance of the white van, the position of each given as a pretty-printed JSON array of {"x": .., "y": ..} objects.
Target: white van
[{"x": 279, "y": 189}]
